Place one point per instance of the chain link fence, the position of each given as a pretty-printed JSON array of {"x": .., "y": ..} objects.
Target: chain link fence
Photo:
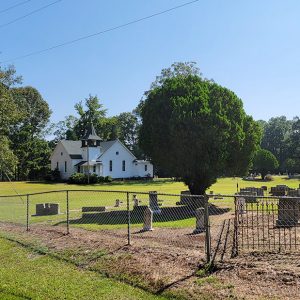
[{"x": 212, "y": 227}]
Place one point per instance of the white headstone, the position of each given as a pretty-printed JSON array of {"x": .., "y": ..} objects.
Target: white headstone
[
  {"x": 148, "y": 219},
  {"x": 135, "y": 201},
  {"x": 200, "y": 221}
]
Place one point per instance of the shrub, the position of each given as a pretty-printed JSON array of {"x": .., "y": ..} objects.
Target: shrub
[
  {"x": 78, "y": 178},
  {"x": 269, "y": 177},
  {"x": 93, "y": 178},
  {"x": 53, "y": 175},
  {"x": 108, "y": 179},
  {"x": 101, "y": 179}
]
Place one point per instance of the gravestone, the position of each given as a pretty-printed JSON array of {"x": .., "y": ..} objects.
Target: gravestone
[
  {"x": 294, "y": 193},
  {"x": 185, "y": 198},
  {"x": 135, "y": 201},
  {"x": 47, "y": 209},
  {"x": 118, "y": 203},
  {"x": 192, "y": 201},
  {"x": 288, "y": 211},
  {"x": 258, "y": 191},
  {"x": 153, "y": 202},
  {"x": 200, "y": 220},
  {"x": 241, "y": 205},
  {"x": 279, "y": 190},
  {"x": 148, "y": 219},
  {"x": 264, "y": 187},
  {"x": 250, "y": 197},
  {"x": 93, "y": 208}
]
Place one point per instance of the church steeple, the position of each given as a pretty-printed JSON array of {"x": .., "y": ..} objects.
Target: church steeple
[{"x": 90, "y": 137}]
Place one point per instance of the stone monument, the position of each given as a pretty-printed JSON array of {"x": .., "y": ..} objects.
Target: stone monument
[
  {"x": 200, "y": 220},
  {"x": 288, "y": 211},
  {"x": 153, "y": 202},
  {"x": 135, "y": 201},
  {"x": 47, "y": 209},
  {"x": 148, "y": 219}
]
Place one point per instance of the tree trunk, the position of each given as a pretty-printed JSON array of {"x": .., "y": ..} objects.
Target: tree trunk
[{"x": 197, "y": 188}]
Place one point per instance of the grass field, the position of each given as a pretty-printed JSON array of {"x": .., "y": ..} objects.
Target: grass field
[
  {"x": 14, "y": 208},
  {"x": 223, "y": 186},
  {"x": 19, "y": 268}
]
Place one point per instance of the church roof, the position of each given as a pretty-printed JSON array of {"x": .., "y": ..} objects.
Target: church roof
[
  {"x": 73, "y": 148},
  {"x": 91, "y": 134}
]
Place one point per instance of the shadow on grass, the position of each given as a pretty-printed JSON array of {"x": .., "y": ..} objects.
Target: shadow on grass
[
  {"x": 292, "y": 178},
  {"x": 168, "y": 214},
  {"x": 44, "y": 182},
  {"x": 257, "y": 180},
  {"x": 145, "y": 182}
]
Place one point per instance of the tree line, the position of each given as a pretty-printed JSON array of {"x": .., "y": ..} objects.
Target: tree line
[
  {"x": 189, "y": 126},
  {"x": 281, "y": 137}
]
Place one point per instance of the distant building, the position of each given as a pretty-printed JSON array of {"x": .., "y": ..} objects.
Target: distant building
[{"x": 91, "y": 155}]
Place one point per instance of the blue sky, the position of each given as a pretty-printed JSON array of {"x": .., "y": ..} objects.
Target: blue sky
[{"x": 251, "y": 47}]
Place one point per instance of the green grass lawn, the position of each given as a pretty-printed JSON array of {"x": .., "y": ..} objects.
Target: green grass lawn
[
  {"x": 25, "y": 274},
  {"x": 223, "y": 186},
  {"x": 14, "y": 208}
]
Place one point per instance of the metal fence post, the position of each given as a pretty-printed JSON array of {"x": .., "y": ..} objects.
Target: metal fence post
[
  {"x": 128, "y": 220},
  {"x": 207, "y": 230},
  {"x": 27, "y": 213},
  {"x": 68, "y": 214},
  {"x": 235, "y": 251}
]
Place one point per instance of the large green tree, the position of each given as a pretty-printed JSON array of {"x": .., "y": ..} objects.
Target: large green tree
[
  {"x": 292, "y": 164},
  {"x": 91, "y": 110},
  {"x": 9, "y": 116},
  {"x": 63, "y": 129},
  {"x": 197, "y": 130},
  {"x": 275, "y": 138},
  {"x": 128, "y": 129},
  {"x": 26, "y": 136},
  {"x": 264, "y": 161}
]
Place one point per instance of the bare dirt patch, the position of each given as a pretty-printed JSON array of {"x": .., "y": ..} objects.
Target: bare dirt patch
[
  {"x": 167, "y": 260},
  {"x": 155, "y": 259}
]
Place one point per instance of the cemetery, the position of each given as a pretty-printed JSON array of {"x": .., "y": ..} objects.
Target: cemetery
[{"x": 167, "y": 229}]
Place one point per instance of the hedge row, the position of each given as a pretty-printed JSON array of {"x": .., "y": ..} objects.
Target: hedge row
[{"x": 80, "y": 178}]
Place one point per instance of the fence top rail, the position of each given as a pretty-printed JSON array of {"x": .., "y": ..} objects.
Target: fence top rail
[
  {"x": 97, "y": 191},
  {"x": 258, "y": 197}
]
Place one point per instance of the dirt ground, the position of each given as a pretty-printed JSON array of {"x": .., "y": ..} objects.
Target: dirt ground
[{"x": 169, "y": 261}]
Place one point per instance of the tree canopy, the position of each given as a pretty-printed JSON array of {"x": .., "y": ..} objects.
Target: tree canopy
[
  {"x": 197, "y": 130},
  {"x": 264, "y": 161},
  {"x": 10, "y": 115},
  {"x": 26, "y": 136}
]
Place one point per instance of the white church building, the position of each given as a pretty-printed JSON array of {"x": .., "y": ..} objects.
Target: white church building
[{"x": 91, "y": 155}]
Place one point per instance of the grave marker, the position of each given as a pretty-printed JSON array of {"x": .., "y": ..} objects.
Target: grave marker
[
  {"x": 148, "y": 219},
  {"x": 200, "y": 220}
]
